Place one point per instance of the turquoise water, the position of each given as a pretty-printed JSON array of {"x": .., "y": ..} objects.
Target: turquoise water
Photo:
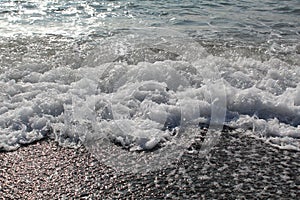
[{"x": 226, "y": 20}]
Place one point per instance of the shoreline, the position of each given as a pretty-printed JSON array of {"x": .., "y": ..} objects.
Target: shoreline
[{"x": 239, "y": 167}]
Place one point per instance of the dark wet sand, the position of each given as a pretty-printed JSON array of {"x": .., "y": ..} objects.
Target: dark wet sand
[{"x": 239, "y": 167}]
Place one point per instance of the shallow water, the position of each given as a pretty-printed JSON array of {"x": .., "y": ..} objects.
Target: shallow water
[{"x": 145, "y": 76}]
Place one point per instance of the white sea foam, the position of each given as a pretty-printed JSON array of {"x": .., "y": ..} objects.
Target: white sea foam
[{"x": 143, "y": 91}]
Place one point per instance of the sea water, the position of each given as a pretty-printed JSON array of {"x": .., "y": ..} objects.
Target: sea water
[{"x": 136, "y": 81}]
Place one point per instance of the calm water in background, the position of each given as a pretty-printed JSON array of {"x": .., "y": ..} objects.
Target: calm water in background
[
  {"x": 252, "y": 21},
  {"x": 53, "y": 54}
]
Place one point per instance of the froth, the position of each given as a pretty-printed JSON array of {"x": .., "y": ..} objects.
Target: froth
[{"x": 142, "y": 92}]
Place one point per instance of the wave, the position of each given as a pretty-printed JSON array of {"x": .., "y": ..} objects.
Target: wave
[{"x": 147, "y": 91}]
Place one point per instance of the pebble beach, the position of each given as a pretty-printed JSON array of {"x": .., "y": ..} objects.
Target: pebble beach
[{"x": 238, "y": 167}]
